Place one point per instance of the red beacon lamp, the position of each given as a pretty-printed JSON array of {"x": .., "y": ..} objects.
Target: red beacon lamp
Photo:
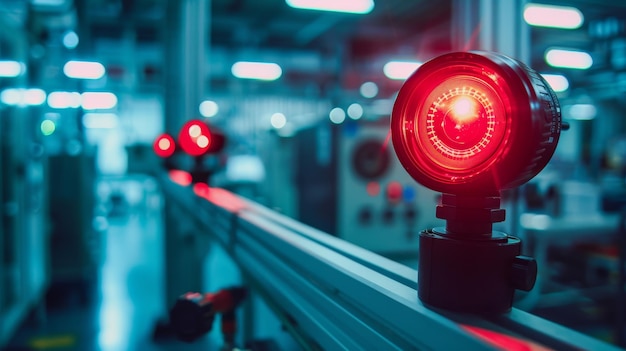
[
  {"x": 164, "y": 145},
  {"x": 469, "y": 124},
  {"x": 198, "y": 140}
]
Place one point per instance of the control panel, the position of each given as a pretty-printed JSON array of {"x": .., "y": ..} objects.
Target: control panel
[{"x": 380, "y": 207}]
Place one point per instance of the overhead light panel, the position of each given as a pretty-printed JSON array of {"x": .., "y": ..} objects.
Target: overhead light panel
[
  {"x": 23, "y": 97},
  {"x": 558, "y": 82},
  {"x": 10, "y": 69},
  {"x": 34, "y": 97},
  {"x": 568, "y": 58},
  {"x": 347, "y": 6},
  {"x": 11, "y": 96},
  {"x": 256, "y": 70},
  {"x": 84, "y": 70},
  {"x": 64, "y": 99},
  {"x": 563, "y": 17},
  {"x": 98, "y": 100},
  {"x": 400, "y": 70}
]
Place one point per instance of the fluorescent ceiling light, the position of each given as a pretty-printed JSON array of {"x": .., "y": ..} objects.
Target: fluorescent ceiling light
[
  {"x": 23, "y": 97},
  {"x": 11, "y": 69},
  {"x": 84, "y": 70},
  {"x": 564, "y": 17},
  {"x": 64, "y": 99},
  {"x": 400, "y": 70},
  {"x": 98, "y": 100},
  {"x": 558, "y": 82},
  {"x": 34, "y": 97},
  {"x": 11, "y": 97},
  {"x": 100, "y": 120},
  {"x": 568, "y": 59},
  {"x": 349, "y": 6},
  {"x": 256, "y": 70}
]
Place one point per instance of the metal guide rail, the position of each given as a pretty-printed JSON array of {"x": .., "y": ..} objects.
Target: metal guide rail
[{"x": 332, "y": 295}]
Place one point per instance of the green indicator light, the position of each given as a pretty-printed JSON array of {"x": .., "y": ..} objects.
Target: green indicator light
[{"x": 47, "y": 127}]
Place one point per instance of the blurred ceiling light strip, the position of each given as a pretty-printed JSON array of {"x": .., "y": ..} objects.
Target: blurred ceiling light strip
[
  {"x": 348, "y": 6},
  {"x": 558, "y": 82},
  {"x": 256, "y": 70},
  {"x": 98, "y": 100},
  {"x": 568, "y": 58},
  {"x": 11, "y": 96},
  {"x": 11, "y": 69},
  {"x": 84, "y": 70},
  {"x": 23, "y": 97},
  {"x": 34, "y": 97},
  {"x": 564, "y": 17},
  {"x": 100, "y": 120},
  {"x": 400, "y": 70},
  {"x": 64, "y": 99}
]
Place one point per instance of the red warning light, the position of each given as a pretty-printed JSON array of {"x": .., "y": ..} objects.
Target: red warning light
[
  {"x": 164, "y": 145},
  {"x": 195, "y": 138},
  {"x": 475, "y": 123}
]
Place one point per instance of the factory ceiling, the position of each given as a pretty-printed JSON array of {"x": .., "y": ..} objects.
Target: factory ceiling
[{"x": 418, "y": 29}]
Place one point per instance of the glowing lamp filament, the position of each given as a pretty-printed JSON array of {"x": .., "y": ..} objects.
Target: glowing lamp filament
[{"x": 463, "y": 110}]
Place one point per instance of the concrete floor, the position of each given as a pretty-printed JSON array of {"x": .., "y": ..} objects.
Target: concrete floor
[{"x": 118, "y": 307}]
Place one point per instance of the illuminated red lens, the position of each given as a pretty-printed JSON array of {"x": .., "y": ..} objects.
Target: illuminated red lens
[
  {"x": 164, "y": 145},
  {"x": 195, "y": 138},
  {"x": 475, "y": 123}
]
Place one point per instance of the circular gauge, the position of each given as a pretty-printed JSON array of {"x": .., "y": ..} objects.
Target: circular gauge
[{"x": 370, "y": 159}]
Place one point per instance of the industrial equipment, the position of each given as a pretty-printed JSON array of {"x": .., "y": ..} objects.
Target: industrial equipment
[
  {"x": 196, "y": 140},
  {"x": 379, "y": 206},
  {"x": 470, "y": 124}
]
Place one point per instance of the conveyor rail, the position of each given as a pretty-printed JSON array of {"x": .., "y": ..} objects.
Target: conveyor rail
[{"x": 333, "y": 295}]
